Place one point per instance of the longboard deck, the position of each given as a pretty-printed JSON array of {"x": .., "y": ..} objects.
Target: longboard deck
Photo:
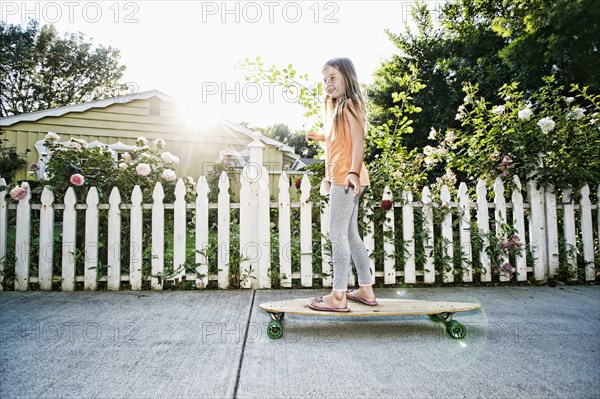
[{"x": 385, "y": 307}]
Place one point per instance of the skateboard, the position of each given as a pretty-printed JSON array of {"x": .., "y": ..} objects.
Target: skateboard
[{"x": 437, "y": 311}]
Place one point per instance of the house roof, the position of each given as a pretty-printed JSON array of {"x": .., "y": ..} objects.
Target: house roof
[{"x": 60, "y": 111}]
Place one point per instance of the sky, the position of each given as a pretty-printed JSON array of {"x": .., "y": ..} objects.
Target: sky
[{"x": 190, "y": 49}]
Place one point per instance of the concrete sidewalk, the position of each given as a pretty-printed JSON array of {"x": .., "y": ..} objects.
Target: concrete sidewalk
[{"x": 536, "y": 342}]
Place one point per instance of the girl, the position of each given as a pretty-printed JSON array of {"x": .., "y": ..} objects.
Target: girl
[{"x": 344, "y": 167}]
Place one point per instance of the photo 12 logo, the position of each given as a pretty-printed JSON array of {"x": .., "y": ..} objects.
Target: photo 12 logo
[
  {"x": 269, "y": 11},
  {"x": 69, "y": 11},
  {"x": 434, "y": 7}
]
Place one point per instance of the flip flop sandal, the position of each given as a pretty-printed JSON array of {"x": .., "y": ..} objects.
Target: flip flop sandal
[
  {"x": 319, "y": 299},
  {"x": 351, "y": 296}
]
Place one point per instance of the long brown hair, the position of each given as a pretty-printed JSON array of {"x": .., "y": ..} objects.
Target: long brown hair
[{"x": 353, "y": 99}]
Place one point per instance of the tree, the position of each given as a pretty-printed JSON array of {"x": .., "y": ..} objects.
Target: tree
[{"x": 40, "y": 70}]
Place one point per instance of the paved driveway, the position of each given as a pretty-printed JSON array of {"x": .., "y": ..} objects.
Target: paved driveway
[{"x": 536, "y": 342}]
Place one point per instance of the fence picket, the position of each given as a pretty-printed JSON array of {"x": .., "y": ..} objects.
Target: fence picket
[
  {"x": 305, "y": 233},
  {"x": 519, "y": 226},
  {"x": 500, "y": 220},
  {"x": 285, "y": 236},
  {"x": 389, "y": 264},
  {"x": 224, "y": 218},
  {"x": 551, "y": 230},
  {"x": 114, "y": 241},
  {"x": 465, "y": 233},
  {"x": 90, "y": 268},
  {"x": 3, "y": 229},
  {"x": 263, "y": 227},
  {"x": 179, "y": 230},
  {"x": 408, "y": 237},
  {"x": 483, "y": 226},
  {"x": 428, "y": 243},
  {"x": 202, "y": 191},
  {"x": 246, "y": 222},
  {"x": 587, "y": 233},
  {"x": 69, "y": 242},
  {"x": 369, "y": 239},
  {"x": 46, "y": 248},
  {"x": 325, "y": 252},
  {"x": 23, "y": 242},
  {"x": 158, "y": 238},
  {"x": 136, "y": 249},
  {"x": 538, "y": 230},
  {"x": 447, "y": 238}
]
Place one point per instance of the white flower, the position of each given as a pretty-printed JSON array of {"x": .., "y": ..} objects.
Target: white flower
[
  {"x": 122, "y": 165},
  {"x": 576, "y": 114},
  {"x": 126, "y": 157},
  {"x": 82, "y": 143},
  {"x": 428, "y": 150},
  {"x": 169, "y": 158},
  {"x": 143, "y": 169},
  {"x": 168, "y": 175},
  {"x": 190, "y": 180},
  {"x": 461, "y": 112},
  {"x": 159, "y": 144},
  {"x": 498, "y": 110},
  {"x": 52, "y": 137},
  {"x": 467, "y": 99},
  {"x": 546, "y": 124},
  {"x": 569, "y": 100},
  {"x": 141, "y": 141},
  {"x": 432, "y": 134},
  {"x": 75, "y": 145},
  {"x": 525, "y": 113}
]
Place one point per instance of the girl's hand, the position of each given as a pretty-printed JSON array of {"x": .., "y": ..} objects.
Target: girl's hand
[
  {"x": 353, "y": 181},
  {"x": 315, "y": 136}
]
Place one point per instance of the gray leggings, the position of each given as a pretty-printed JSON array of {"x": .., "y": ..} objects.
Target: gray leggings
[{"x": 345, "y": 240}]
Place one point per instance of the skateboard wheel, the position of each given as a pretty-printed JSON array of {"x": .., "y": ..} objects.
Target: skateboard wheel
[
  {"x": 275, "y": 329},
  {"x": 434, "y": 317},
  {"x": 456, "y": 330}
]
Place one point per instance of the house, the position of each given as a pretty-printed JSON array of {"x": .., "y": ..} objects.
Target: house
[
  {"x": 117, "y": 122},
  {"x": 301, "y": 163}
]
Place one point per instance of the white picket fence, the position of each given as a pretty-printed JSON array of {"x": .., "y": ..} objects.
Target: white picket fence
[{"x": 538, "y": 215}]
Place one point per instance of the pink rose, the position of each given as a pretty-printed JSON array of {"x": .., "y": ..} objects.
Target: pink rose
[
  {"x": 77, "y": 180},
  {"x": 18, "y": 193},
  {"x": 168, "y": 175},
  {"x": 143, "y": 169}
]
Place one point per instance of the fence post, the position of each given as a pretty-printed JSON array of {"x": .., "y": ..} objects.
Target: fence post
[
  {"x": 326, "y": 257},
  {"x": 91, "y": 241},
  {"x": 23, "y": 242},
  {"x": 223, "y": 232},
  {"x": 483, "y": 224},
  {"x": 69, "y": 241},
  {"x": 587, "y": 233},
  {"x": 285, "y": 235},
  {"x": 428, "y": 243},
  {"x": 263, "y": 233},
  {"x": 158, "y": 238},
  {"x": 114, "y": 241},
  {"x": 46, "y": 251},
  {"x": 537, "y": 230},
  {"x": 135, "y": 244},
  {"x": 306, "y": 233},
  {"x": 447, "y": 236},
  {"x": 246, "y": 222},
  {"x": 519, "y": 225},
  {"x": 3, "y": 226},
  {"x": 389, "y": 261},
  {"x": 202, "y": 191},
  {"x": 465, "y": 233},
  {"x": 179, "y": 231},
  {"x": 500, "y": 219},
  {"x": 408, "y": 236},
  {"x": 551, "y": 230}
]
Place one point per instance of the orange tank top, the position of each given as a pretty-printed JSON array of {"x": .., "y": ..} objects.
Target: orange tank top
[{"x": 338, "y": 156}]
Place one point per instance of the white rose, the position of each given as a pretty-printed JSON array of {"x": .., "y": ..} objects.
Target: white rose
[
  {"x": 167, "y": 157},
  {"x": 546, "y": 124},
  {"x": 569, "y": 100},
  {"x": 126, "y": 157},
  {"x": 143, "y": 169},
  {"x": 498, "y": 110},
  {"x": 52, "y": 137},
  {"x": 159, "y": 144},
  {"x": 428, "y": 150},
  {"x": 141, "y": 141},
  {"x": 576, "y": 114},
  {"x": 75, "y": 145},
  {"x": 432, "y": 134},
  {"x": 122, "y": 165},
  {"x": 168, "y": 175},
  {"x": 525, "y": 113}
]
